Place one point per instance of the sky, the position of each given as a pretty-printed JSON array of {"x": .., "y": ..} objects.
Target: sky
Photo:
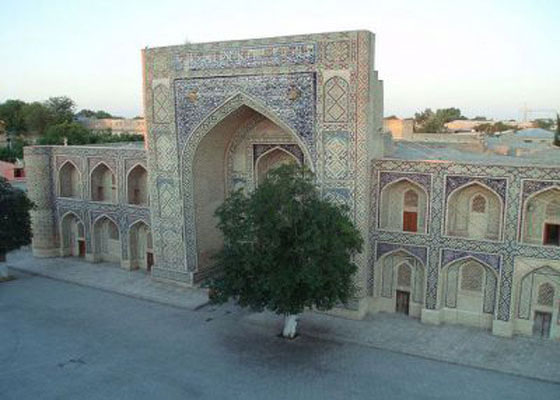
[{"x": 488, "y": 58}]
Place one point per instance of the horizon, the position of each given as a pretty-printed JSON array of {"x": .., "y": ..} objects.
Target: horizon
[{"x": 498, "y": 58}]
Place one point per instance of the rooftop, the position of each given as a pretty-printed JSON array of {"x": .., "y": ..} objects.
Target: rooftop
[{"x": 415, "y": 151}]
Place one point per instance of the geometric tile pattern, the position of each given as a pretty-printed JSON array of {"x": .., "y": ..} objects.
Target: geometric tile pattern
[
  {"x": 500, "y": 256},
  {"x": 336, "y": 146},
  {"x": 336, "y": 100}
]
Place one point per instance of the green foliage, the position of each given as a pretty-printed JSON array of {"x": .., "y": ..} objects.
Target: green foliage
[
  {"x": 37, "y": 117},
  {"x": 14, "y": 217},
  {"x": 61, "y": 109},
  {"x": 11, "y": 114},
  {"x": 479, "y": 118},
  {"x": 544, "y": 123},
  {"x": 285, "y": 248},
  {"x": 430, "y": 122},
  {"x": 494, "y": 128},
  {"x": 11, "y": 154},
  {"x": 77, "y": 134}
]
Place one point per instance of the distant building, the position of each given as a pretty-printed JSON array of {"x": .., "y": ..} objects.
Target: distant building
[
  {"x": 117, "y": 126},
  {"x": 399, "y": 128},
  {"x": 14, "y": 173}
]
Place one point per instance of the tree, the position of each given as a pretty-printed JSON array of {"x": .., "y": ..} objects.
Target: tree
[
  {"x": 37, "y": 117},
  {"x": 11, "y": 114},
  {"x": 428, "y": 121},
  {"x": 285, "y": 248},
  {"x": 72, "y": 131},
  {"x": 491, "y": 128},
  {"x": 85, "y": 113},
  {"x": 14, "y": 218},
  {"x": 100, "y": 114},
  {"x": 14, "y": 151},
  {"x": 61, "y": 109},
  {"x": 544, "y": 123}
]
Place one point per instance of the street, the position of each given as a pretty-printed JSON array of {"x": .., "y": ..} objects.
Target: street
[{"x": 64, "y": 341}]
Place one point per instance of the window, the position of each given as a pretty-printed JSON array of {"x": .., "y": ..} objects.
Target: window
[
  {"x": 552, "y": 234},
  {"x": 404, "y": 275},
  {"x": 478, "y": 204},
  {"x": 471, "y": 277},
  {"x": 546, "y": 295},
  {"x": 410, "y": 199},
  {"x": 19, "y": 173}
]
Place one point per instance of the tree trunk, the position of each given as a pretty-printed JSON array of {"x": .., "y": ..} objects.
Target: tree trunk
[{"x": 290, "y": 326}]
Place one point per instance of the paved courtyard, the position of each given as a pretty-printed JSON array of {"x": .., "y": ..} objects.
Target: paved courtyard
[{"x": 66, "y": 341}]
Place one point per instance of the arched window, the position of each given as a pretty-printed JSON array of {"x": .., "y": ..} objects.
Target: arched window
[
  {"x": 478, "y": 204},
  {"x": 546, "y": 295},
  {"x": 404, "y": 275},
  {"x": 471, "y": 277},
  {"x": 103, "y": 184},
  {"x": 138, "y": 186},
  {"x": 411, "y": 199},
  {"x": 553, "y": 209}
]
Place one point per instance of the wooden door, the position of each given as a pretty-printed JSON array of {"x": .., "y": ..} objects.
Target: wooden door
[
  {"x": 410, "y": 221},
  {"x": 403, "y": 299},
  {"x": 81, "y": 247},
  {"x": 149, "y": 260},
  {"x": 541, "y": 324},
  {"x": 552, "y": 234}
]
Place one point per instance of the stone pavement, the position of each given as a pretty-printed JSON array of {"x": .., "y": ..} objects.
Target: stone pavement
[
  {"x": 524, "y": 356},
  {"x": 109, "y": 277}
]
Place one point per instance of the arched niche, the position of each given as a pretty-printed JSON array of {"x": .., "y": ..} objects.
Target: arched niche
[
  {"x": 402, "y": 281},
  {"x": 403, "y": 207},
  {"x": 137, "y": 186},
  {"x": 541, "y": 218},
  {"x": 103, "y": 184},
  {"x": 72, "y": 234},
  {"x": 469, "y": 292},
  {"x": 272, "y": 159},
  {"x": 69, "y": 180},
  {"x": 106, "y": 240},
  {"x": 474, "y": 211},
  {"x": 205, "y": 169},
  {"x": 141, "y": 247}
]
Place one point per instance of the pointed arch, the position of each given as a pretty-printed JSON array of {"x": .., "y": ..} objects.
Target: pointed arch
[
  {"x": 103, "y": 183},
  {"x": 460, "y": 220},
  {"x": 540, "y": 226},
  {"x": 140, "y": 245},
  {"x": 137, "y": 185},
  {"x": 69, "y": 180},
  {"x": 72, "y": 235},
  {"x": 106, "y": 239},
  {"x": 237, "y": 103},
  {"x": 393, "y": 212},
  {"x": 261, "y": 171}
]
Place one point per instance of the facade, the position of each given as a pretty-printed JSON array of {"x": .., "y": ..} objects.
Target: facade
[
  {"x": 450, "y": 238},
  {"x": 116, "y": 125}
]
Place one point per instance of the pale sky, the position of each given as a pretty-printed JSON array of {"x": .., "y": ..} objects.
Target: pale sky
[{"x": 485, "y": 57}]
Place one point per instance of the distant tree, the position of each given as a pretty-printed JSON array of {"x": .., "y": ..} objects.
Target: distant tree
[
  {"x": 479, "y": 118},
  {"x": 449, "y": 114},
  {"x": 285, "y": 248},
  {"x": 37, "y": 117},
  {"x": 11, "y": 114},
  {"x": 14, "y": 151},
  {"x": 138, "y": 117},
  {"x": 492, "y": 128},
  {"x": 14, "y": 218},
  {"x": 61, "y": 109},
  {"x": 85, "y": 113},
  {"x": 544, "y": 123},
  {"x": 100, "y": 114},
  {"x": 72, "y": 131},
  {"x": 557, "y": 133},
  {"x": 421, "y": 117}
]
